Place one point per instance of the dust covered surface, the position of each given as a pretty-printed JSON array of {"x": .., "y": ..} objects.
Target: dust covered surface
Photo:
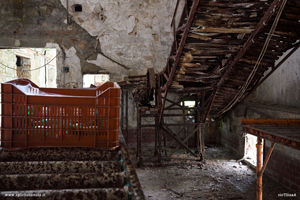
[{"x": 219, "y": 177}]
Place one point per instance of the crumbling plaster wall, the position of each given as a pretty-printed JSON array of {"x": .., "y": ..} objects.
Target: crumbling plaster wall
[
  {"x": 38, "y": 23},
  {"x": 122, "y": 37},
  {"x": 135, "y": 33},
  {"x": 8, "y": 58}
]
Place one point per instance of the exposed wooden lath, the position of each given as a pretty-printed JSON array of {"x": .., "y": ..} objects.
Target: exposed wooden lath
[{"x": 214, "y": 54}]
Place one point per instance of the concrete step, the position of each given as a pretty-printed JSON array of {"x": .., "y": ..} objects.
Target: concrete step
[
  {"x": 59, "y": 154},
  {"x": 61, "y": 181},
  {"x": 74, "y": 194},
  {"x": 59, "y": 167}
]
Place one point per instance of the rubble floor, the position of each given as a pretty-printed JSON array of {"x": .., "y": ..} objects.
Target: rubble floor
[{"x": 219, "y": 177}]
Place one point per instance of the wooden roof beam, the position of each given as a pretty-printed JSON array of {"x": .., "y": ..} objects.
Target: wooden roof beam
[{"x": 267, "y": 16}]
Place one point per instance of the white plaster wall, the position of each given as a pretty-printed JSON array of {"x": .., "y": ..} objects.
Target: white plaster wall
[
  {"x": 37, "y": 61},
  {"x": 72, "y": 79},
  {"x": 67, "y": 58},
  {"x": 283, "y": 86},
  {"x": 8, "y": 58},
  {"x": 135, "y": 33}
]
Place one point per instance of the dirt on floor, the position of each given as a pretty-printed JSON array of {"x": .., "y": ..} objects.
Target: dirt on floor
[{"x": 220, "y": 176}]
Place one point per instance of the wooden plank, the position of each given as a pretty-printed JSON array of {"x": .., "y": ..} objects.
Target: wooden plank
[
  {"x": 193, "y": 35},
  {"x": 223, "y": 30},
  {"x": 213, "y": 45},
  {"x": 181, "y": 45},
  {"x": 235, "y": 5},
  {"x": 226, "y": 42},
  {"x": 267, "y": 16}
]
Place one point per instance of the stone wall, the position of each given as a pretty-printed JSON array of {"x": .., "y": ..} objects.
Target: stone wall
[
  {"x": 122, "y": 37},
  {"x": 37, "y": 23},
  {"x": 35, "y": 58},
  {"x": 8, "y": 58},
  {"x": 135, "y": 33}
]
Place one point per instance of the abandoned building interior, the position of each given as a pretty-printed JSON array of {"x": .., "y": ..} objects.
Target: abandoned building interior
[{"x": 148, "y": 99}]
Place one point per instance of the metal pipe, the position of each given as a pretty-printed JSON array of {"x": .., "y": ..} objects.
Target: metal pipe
[
  {"x": 122, "y": 112},
  {"x": 258, "y": 169}
]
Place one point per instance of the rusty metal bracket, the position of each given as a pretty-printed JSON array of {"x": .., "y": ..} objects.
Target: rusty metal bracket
[{"x": 267, "y": 157}]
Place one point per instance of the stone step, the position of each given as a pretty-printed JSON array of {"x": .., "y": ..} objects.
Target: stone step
[
  {"x": 59, "y": 154},
  {"x": 61, "y": 181},
  {"x": 59, "y": 167}
]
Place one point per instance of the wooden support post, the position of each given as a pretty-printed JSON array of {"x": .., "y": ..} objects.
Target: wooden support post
[{"x": 258, "y": 169}]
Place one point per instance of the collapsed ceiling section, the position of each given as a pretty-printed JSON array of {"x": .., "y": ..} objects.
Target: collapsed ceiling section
[{"x": 223, "y": 48}]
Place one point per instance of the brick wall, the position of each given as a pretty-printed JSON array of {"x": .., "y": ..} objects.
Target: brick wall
[{"x": 284, "y": 169}]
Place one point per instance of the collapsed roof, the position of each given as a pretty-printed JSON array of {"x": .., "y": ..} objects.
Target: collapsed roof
[{"x": 223, "y": 48}]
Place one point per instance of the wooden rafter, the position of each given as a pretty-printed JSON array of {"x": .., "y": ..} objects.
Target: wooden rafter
[
  {"x": 267, "y": 16},
  {"x": 178, "y": 53}
]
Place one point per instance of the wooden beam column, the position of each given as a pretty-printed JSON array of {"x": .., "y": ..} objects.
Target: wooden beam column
[{"x": 258, "y": 169}]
